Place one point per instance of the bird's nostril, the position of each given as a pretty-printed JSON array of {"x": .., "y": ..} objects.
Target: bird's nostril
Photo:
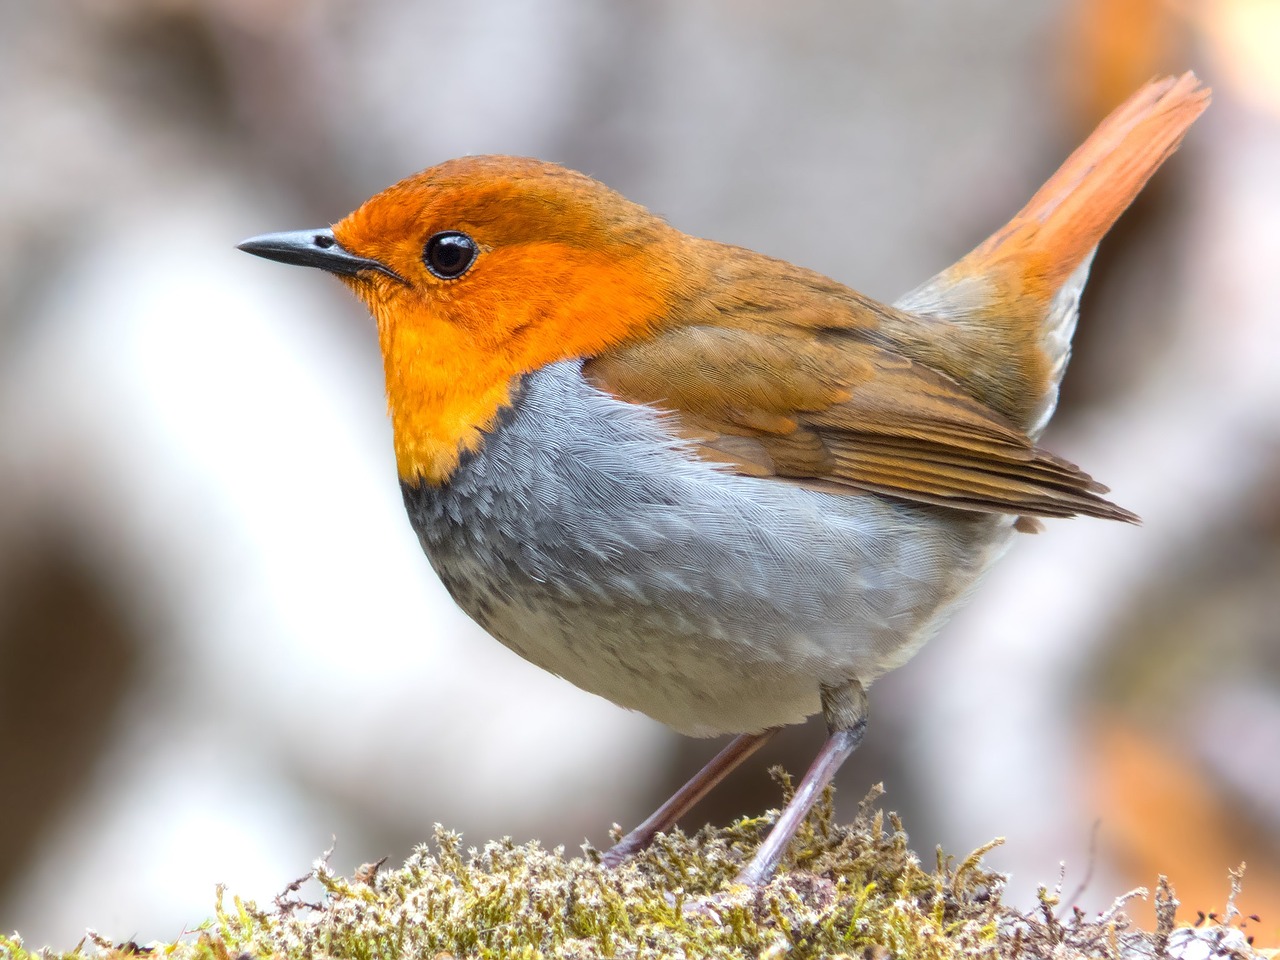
[{"x": 324, "y": 241}]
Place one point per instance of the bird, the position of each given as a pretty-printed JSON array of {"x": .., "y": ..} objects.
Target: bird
[{"x": 706, "y": 484}]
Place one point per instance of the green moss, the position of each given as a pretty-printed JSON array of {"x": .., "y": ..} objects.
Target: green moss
[{"x": 846, "y": 890}]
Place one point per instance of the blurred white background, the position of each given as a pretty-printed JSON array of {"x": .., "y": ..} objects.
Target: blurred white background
[{"x": 219, "y": 643}]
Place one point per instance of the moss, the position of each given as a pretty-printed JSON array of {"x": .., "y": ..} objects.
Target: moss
[{"x": 846, "y": 890}]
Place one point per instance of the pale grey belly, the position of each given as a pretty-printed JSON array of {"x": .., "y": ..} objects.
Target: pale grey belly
[{"x": 586, "y": 540}]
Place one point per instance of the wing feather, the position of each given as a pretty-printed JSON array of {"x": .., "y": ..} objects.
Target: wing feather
[{"x": 837, "y": 408}]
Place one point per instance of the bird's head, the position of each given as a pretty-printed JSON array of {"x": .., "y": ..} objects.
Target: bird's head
[{"x": 483, "y": 269}]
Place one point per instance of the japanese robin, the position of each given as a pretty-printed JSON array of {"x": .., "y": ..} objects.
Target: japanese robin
[{"x": 703, "y": 483}]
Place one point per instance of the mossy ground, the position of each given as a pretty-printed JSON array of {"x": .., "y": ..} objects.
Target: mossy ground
[{"x": 847, "y": 890}]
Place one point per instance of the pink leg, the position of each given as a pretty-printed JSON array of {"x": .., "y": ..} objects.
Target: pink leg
[
  {"x": 845, "y": 709},
  {"x": 665, "y": 817}
]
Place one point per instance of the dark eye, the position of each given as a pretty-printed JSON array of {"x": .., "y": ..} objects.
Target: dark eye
[{"x": 449, "y": 254}]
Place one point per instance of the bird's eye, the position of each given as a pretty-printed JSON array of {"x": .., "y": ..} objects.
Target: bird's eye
[{"x": 449, "y": 254}]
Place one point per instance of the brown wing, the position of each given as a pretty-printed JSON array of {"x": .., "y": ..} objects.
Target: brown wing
[{"x": 835, "y": 408}]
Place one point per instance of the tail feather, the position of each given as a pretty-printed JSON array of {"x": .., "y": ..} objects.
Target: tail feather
[
  {"x": 1063, "y": 222},
  {"x": 1012, "y": 302}
]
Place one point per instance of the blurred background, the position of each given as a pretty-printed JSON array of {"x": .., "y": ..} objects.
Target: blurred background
[{"x": 220, "y": 646}]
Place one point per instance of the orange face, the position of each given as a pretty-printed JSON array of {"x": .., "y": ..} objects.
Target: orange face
[{"x": 501, "y": 267}]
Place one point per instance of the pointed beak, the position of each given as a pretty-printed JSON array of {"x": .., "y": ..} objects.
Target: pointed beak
[{"x": 313, "y": 248}]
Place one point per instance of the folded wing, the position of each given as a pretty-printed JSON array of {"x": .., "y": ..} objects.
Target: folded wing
[{"x": 836, "y": 409}]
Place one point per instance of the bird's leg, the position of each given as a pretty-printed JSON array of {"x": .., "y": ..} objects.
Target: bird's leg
[
  {"x": 665, "y": 817},
  {"x": 844, "y": 707}
]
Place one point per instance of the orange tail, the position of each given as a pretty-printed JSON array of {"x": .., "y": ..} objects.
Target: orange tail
[
  {"x": 1015, "y": 297},
  {"x": 1054, "y": 233}
]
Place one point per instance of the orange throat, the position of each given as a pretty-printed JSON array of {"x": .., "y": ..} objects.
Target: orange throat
[{"x": 441, "y": 397}]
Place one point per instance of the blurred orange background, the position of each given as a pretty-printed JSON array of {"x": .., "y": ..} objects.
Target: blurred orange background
[{"x": 219, "y": 643}]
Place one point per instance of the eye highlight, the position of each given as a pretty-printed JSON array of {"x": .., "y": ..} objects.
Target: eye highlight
[{"x": 448, "y": 255}]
